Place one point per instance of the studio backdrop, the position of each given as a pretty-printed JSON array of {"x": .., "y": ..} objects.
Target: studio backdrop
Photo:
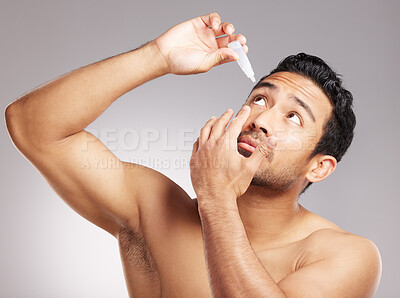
[{"x": 47, "y": 250}]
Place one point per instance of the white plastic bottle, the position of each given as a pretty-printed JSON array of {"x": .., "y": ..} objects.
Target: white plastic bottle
[{"x": 243, "y": 61}]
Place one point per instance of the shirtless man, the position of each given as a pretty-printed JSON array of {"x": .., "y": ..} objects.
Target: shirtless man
[{"x": 245, "y": 235}]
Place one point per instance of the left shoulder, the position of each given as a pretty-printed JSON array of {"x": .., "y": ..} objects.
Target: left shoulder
[
  {"x": 356, "y": 251},
  {"x": 341, "y": 242},
  {"x": 335, "y": 264}
]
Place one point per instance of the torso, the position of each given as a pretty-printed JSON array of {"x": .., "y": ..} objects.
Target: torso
[{"x": 178, "y": 268}]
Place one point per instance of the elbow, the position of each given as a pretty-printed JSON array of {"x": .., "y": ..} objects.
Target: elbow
[
  {"x": 9, "y": 117},
  {"x": 13, "y": 124}
]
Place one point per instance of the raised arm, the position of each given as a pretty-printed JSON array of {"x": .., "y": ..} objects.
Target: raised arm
[{"x": 47, "y": 124}]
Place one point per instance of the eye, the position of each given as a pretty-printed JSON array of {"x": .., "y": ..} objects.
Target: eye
[
  {"x": 259, "y": 100},
  {"x": 294, "y": 118}
]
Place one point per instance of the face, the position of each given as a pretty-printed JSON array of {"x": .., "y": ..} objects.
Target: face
[{"x": 294, "y": 110}]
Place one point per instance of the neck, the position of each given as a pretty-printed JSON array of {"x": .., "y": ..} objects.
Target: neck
[{"x": 270, "y": 218}]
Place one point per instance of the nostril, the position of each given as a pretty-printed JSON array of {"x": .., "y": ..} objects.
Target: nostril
[{"x": 261, "y": 128}]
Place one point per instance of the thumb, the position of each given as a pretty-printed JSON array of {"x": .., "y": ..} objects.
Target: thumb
[
  {"x": 222, "y": 56},
  {"x": 262, "y": 151}
]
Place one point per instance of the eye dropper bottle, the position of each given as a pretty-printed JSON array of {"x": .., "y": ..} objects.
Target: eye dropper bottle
[{"x": 243, "y": 61}]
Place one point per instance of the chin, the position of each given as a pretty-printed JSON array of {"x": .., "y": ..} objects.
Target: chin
[{"x": 244, "y": 152}]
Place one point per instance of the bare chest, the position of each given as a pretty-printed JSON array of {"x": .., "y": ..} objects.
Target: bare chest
[{"x": 180, "y": 269}]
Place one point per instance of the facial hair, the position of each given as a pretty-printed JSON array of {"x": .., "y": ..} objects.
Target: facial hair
[{"x": 278, "y": 180}]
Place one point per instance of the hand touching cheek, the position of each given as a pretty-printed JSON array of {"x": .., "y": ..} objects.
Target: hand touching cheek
[{"x": 218, "y": 171}]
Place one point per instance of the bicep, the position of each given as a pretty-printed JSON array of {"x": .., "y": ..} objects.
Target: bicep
[
  {"x": 88, "y": 177},
  {"x": 349, "y": 274}
]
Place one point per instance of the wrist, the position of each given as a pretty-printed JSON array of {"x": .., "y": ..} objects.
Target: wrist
[
  {"x": 157, "y": 57},
  {"x": 216, "y": 203},
  {"x": 147, "y": 61}
]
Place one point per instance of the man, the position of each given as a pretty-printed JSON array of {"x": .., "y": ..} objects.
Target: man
[{"x": 245, "y": 234}]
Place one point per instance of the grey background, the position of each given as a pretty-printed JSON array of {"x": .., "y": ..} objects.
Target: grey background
[{"x": 47, "y": 250}]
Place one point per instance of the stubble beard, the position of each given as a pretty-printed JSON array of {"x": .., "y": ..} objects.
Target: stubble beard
[{"x": 278, "y": 181}]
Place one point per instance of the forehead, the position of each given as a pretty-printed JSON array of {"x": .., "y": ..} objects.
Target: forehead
[{"x": 288, "y": 84}]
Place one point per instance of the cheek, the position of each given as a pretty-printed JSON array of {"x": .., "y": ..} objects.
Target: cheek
[{"x": 289, "y": 141}]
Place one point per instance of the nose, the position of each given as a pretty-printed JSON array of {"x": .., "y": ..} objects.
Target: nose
[
  {"x": 254, "y": 126},
  {"x": 262, "y": 122}
]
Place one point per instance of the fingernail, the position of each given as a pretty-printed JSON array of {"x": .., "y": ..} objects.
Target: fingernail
[
  {"x": 271, "y": 142},
  {"x": 246, "y": 107}
]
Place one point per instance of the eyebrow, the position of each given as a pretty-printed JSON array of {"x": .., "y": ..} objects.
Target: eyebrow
[
  {"x": 298, "y": 101},
  {"x": 265, "y": 84},
  {"x": 303, "y": 105}
]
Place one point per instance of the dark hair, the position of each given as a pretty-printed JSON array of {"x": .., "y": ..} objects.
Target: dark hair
[{"x": 338, "y": 130}]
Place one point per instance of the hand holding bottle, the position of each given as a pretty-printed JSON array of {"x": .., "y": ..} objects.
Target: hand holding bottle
[{"x": 194, "y": 46}]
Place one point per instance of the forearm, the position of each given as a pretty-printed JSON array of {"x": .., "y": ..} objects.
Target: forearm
[
  {"x": 69, "y": 103},
  {"x": 233, "y": 267}
]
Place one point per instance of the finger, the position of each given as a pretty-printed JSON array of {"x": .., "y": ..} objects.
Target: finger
[
  {"x": 237, "y": 123},
  {"x": 230, "y": 58},
  {"x": 219, "y": 57},
  {"x": 205, "y": 131},
  {"x": 195, "y": 146},
  {"x": 262, "y": 151},
  {"x": 228, "y": 28},
  {"x": 226, "y": 61},
  {"x": 212, "y": 19},
  {"x": 219, "y": 126},
  {"x": 224, "y": 28},
  {"x": 223, "y": 41}
]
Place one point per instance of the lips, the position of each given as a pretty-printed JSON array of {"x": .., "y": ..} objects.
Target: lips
[{"x": 248, "y": 143}]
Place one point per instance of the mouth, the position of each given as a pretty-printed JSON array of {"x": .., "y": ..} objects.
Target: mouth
[{"x": 247, "y": 143}]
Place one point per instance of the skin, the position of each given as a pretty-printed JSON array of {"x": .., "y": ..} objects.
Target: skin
[{"x": 245, "y": 234}]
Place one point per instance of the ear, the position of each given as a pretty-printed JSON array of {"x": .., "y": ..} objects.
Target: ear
[{"x": 321, "y": 166}]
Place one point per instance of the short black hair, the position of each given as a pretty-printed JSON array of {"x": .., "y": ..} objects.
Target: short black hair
[{"x": 338, "y": 131}]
